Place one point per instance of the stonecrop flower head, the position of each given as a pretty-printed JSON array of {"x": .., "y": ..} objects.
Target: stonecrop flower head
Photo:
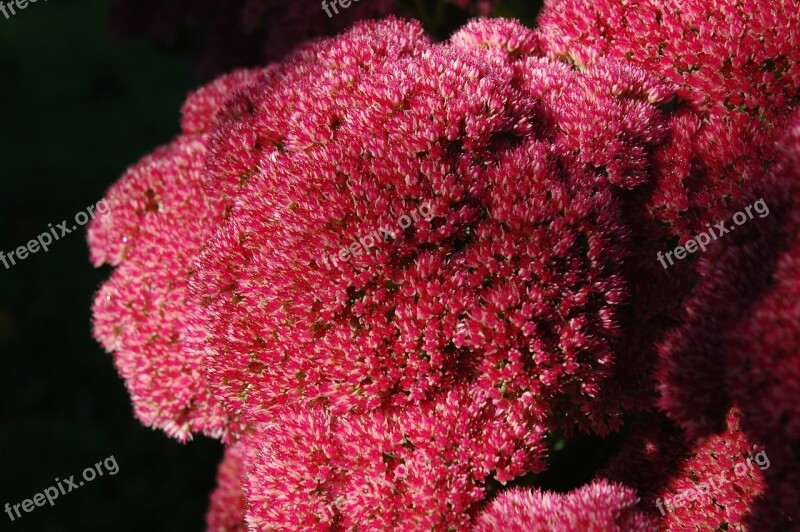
[
  {"x": 765, "y": 363},
  {"x": 597, "y": 507},
  {"x": 386, "y": 270},
  {"x": 735, "y": 66},
  {"x": 417, "y": 468},
  {"x": 228, "y": 504}
]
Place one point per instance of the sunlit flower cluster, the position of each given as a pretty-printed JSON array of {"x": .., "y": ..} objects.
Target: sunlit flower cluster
[{"x": 404, "y": 388}]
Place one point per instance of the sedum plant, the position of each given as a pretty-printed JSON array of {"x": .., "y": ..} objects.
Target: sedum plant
[{"x": 428, "y": 380}]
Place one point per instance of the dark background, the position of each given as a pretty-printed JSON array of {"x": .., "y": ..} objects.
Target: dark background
[{"x": 75, "y": 111}]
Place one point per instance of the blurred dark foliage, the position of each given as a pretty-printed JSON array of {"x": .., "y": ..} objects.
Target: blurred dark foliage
[
  {"x": 220, "y": 36},
  {"x": 223, "y": 35}
]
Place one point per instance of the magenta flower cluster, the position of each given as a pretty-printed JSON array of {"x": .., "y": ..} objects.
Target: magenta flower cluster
[{"x": 405, "y": 389}]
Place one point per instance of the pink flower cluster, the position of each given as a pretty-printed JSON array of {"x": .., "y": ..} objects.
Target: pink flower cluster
[{"x": 403, "y": 389}]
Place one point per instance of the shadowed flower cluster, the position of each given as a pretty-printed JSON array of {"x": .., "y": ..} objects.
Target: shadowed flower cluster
[
  {"x": 701, "y": 483},
  {"x": 739, "y": 342}
]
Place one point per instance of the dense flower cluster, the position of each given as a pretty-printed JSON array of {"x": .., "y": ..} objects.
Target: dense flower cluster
[
  {"x": 228, "y": 504},
  {"x": 140, "y": 313},
  {"x": 372, "y": 368},
  {"x": 416, "y": 468},
  {"x": 765, "y": 362},
  {"x": 468, "y": 296},
  {"x": 736, "y": 69}
]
